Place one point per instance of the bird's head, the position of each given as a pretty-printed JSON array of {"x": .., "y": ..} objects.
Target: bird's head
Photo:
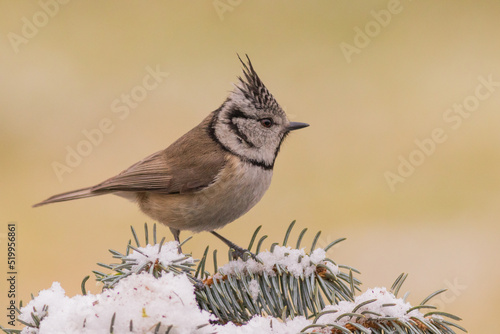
[{"x": 250, "y": 123}]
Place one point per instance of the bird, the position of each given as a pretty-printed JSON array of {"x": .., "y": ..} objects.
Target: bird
[{"x": 214, "y": 173}]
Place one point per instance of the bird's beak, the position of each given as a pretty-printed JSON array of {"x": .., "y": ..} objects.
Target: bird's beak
[{"x": 296, "y": 125}]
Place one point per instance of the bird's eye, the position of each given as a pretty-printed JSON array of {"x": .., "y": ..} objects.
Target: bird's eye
[{"x": 266, "y": 122}]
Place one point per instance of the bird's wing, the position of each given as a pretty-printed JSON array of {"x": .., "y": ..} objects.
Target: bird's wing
[
  {"x": 149, "y": 174},
  {"x": 189, "y": 164}
]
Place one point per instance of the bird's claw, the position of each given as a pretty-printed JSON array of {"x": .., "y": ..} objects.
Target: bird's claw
[{"x": 241, "y": 253}]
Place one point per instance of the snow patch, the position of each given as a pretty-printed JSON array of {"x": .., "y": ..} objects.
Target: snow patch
[
  {"x": 285, "y": 257},
  {"x": 254, "y": 289},
  {"x": 266, "y": 325},
  {"x": 384, "y": 297},
  {"x": 167, "y": 255},
  {"x": 141, "y": 298}
]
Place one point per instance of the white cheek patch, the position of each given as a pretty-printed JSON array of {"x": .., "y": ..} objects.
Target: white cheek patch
[{"x": 246, "y": 131}]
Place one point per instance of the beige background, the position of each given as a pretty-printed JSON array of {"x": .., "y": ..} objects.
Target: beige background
[{"x": 440, "y": 225}]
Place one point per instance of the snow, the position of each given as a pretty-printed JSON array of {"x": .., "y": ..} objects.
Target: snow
[
  {"x": 266, "y": 325},
  {"x": 285, "y": 257},
  {"x": 170, "y": 299},
  {"x": 152, "y": 253},
  {"x": 399, "y": 310},
  {"x": 146, "y": 301},
  {"x": 141, "y": 298},
  {"x": 254, "y": 289}
]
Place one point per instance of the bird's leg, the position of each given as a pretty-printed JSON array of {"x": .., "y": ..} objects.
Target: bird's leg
[
  {"x": 238, "y": 251},
  {"x": 177, "y": 234},
  {"x": 198, "y": 283}
]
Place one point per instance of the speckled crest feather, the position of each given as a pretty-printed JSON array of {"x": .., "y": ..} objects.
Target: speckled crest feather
[{"x": 253, "y": 88}]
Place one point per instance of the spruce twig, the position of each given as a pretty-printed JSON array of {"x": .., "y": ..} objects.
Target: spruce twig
[{"x": 237, "y": 291}]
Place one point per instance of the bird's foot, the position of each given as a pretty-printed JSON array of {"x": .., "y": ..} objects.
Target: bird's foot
[
  {"x": 241, "y": 253},
  {"x": 237, "y": 251}
]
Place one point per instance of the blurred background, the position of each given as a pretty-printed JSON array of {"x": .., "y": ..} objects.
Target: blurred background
[{"x": 402, "y": 156}]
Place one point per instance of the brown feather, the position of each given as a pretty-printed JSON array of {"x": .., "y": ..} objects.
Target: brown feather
[{"x": 184, "y": 166}]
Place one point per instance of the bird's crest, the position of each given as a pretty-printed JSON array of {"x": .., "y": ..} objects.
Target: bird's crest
[{"x": 253, "y": 88}]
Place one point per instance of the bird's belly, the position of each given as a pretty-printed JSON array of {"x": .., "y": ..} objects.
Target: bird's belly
[{"x": 237, "y": 189}]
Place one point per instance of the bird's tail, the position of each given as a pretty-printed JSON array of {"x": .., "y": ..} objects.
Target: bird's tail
[{"x": 68, "y": 196}]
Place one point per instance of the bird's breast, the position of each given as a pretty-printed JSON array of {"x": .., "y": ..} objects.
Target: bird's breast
[{"x": 236, "y": 189}]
